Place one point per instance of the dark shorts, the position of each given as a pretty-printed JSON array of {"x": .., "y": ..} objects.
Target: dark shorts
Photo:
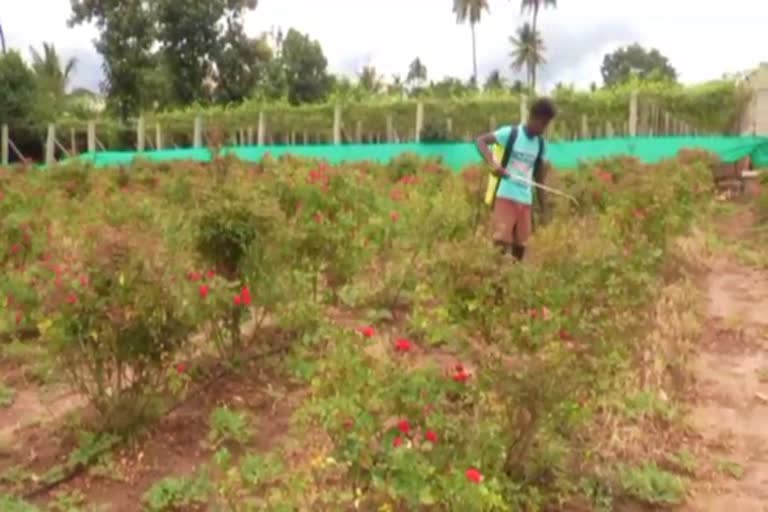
[{"x": 511, "y": 222}]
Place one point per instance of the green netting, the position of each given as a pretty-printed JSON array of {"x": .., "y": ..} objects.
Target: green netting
[{"x": 563, "y": 155}]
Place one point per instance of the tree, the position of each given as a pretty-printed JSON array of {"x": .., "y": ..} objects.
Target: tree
[
  {"x": 305, "y": 68},
  {"x": 369, "y": 80},
  {"x": 193, "y": 35},
  {"x": 472, "y": 11},
  {"x": 495, "y": 81},
  {"x": 126, "y": 37},
  {"x": 417, "y": 73},
  {"x": 2, "y": 39},
  {"x": 635, "y": 61},
  {"x": 51, "y": 72},
  {"x": 527, "y": 53},
  {"x": 18, "y": 93},
  {"x": 241, "y": 67},
  {"x": 396, "y": 86},
  {"x": 534, "y": 6}
]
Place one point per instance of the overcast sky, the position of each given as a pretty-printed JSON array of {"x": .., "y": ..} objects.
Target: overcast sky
[{"x": 702, "y": 39}]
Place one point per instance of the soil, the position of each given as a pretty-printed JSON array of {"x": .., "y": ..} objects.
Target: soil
[{"x": 731, "y": 406}]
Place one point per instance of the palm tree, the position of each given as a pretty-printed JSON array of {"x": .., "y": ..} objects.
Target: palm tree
[
  {"x": 535, "y": 6},
  {"x": 472, "y": 11},
  {"x": 527, "y": 52},
  {"x": 417, "y": 72},
  {"x": 53, "y": 76}
]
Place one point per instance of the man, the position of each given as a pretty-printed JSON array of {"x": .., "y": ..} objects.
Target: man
[{"x": 522, "y": 165}]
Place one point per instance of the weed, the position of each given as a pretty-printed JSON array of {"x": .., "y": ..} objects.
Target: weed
[
  {"x": 7, "y": 396},
  {"x": 649, "y": 484},
  {"x": 684, "y": 460},
  {"x": 174, "y": 493},
  {"x": 729, "y": 468},
  {"x": 228, "y": 426}
]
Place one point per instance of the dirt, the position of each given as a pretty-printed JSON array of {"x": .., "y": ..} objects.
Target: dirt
[
  {"x": 178, "y": 445},
  {"x": 35, "y": 406},
  {"x": 731, "y": 407}
]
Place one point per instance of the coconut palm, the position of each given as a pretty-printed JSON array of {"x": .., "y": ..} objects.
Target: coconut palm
[
  {"x": 417, "y": 72},
  {"x": 54, "y": 77},
  {"x": 527, "y": 52},
  {"x": 535, "y": 6},
  {"x": 472, "y": 11}
]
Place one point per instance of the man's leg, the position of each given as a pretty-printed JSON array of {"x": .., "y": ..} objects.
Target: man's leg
[
  {"x": 522, "y": 231},
  {"x": 503, "y": 221}
]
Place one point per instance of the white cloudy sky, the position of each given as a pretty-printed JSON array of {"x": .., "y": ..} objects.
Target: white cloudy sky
[{"x": 702, "y": 38}]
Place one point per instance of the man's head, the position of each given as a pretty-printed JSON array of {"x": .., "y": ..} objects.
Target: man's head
[{"x": 542, "y": 112}]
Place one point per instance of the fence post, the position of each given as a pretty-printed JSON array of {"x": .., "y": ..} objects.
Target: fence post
[
  {"x": 4, "y": 145},
  {"x": 667, "y": 124},
  {"x": 523, "y": 108},
  {"x": 419, "y": 121},
  {"x": 260, "y": 130},
  {"x": 337, "y": 124},
  {"x": 198, "y": 132},
  {"x": 390, "y": 129},
  {"x": 50, "y": 145},
  {"x": 91, "y": 136},
  {"x": 158, "y": 136},
  {"x": 140, "y": 135},
  {"x": 633, "y": 114},
  {"x": 358, "y": 131}
]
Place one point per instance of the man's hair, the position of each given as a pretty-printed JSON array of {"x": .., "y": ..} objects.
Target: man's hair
[{"x": 543, "y": 108}]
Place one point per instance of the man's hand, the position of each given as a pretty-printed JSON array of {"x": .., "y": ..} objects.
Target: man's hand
[{"x": 500, "y": 172}]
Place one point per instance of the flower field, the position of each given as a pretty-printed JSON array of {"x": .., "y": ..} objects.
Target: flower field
[{"x": 406, "y": 365}]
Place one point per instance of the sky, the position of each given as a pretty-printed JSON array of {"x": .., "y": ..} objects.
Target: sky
[{"x": 702, "y": 39}]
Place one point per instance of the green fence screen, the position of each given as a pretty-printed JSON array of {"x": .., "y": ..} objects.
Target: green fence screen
[{"x": 563, "y": 155}]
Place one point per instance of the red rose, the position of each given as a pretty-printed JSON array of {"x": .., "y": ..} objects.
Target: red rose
[{"x": 473, "y": 475}]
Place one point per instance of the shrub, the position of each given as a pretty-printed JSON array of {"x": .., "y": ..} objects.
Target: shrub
[{"x": 116, "y": 333}]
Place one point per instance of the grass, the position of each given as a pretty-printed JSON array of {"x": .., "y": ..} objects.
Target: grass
[{"x": 650, "y": 484}]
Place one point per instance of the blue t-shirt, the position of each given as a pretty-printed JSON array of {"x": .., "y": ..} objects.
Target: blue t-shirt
[{"x": 521, "y": 163}]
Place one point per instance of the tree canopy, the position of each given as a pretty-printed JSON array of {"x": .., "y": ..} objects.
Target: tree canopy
[{"x": 635, "y": 61}]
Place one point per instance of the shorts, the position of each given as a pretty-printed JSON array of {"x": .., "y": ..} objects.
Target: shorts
[{"x": 511, "y": 222}]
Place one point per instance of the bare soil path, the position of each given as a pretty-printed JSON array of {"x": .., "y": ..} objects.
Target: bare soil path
[{"x": 731, "y": 397}]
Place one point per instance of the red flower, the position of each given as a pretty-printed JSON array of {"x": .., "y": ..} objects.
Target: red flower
[
  {"x": 473, "y": 475},
  {"x": 403, "y": 345},
  {"x": 19, "y": 317},
  {"x": 204, "y": 291},
  {"x": 15, "y": 248},
  {"x": 180, "y": 368},
  {"x": 565, "y": 335},
  {"x": 533, "y": 313},
  {"x": 84, "y": 280},
  {"x": 394, "y": 216},
  {"x": 397, "y": 442},
  {"x": 210, "y": 274},
  {"x": 238, "y": 300},
  {"x": 431, "y": 437},
  {"x": 71, "y": 299},
  {"x": 245, "y": 295},
  {"x": 404, "y": 427},
  {"x": 194, "y": 276},
  {"x": 461, "y": 376},
  {"x": 367, "y": 331}
]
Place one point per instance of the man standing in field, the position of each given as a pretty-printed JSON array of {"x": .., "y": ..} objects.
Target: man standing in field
[{"x": 522, "y": 165}]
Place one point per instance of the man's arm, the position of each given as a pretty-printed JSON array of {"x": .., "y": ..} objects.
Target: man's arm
[{"x": 483, "y": 143}]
